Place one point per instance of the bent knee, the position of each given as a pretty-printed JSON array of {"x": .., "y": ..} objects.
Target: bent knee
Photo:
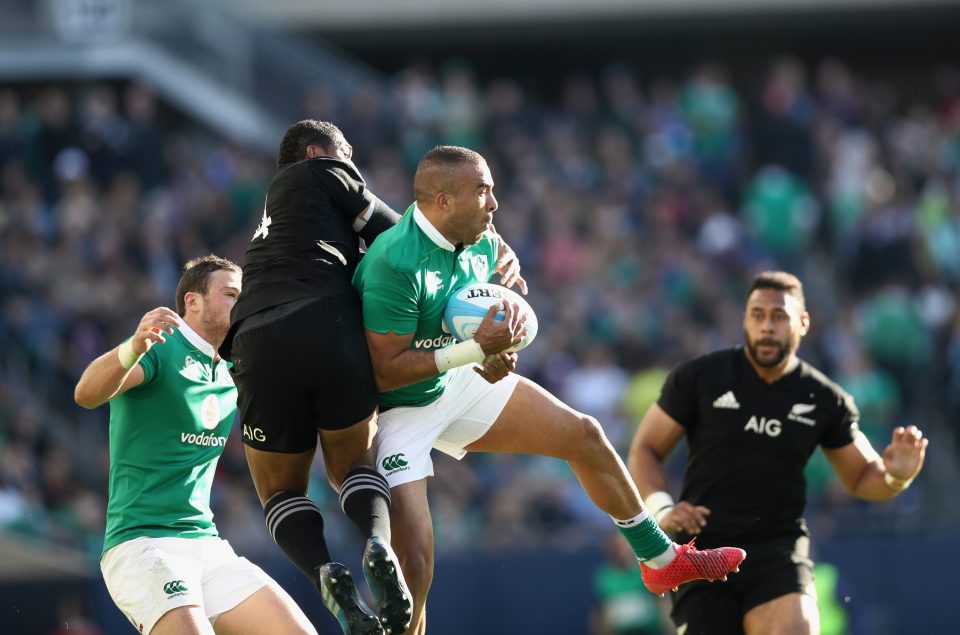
[{"x": 589, "y": 437}]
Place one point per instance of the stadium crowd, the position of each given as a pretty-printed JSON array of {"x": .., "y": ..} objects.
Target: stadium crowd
[{"x": 639, "y": 207}]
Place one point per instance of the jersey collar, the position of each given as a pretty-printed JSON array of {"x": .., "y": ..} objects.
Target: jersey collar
[
  {"x": 432, "y": 232},
  {"x": 202, "y": 345}
]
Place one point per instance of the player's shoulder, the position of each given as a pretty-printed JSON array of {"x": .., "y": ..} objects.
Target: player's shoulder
[
  {"x": 334, "y": 166},
  {"x": 399, "y": 248},
  {"x": 317, "y": 168},
  {"x": 815, "y": 380}
]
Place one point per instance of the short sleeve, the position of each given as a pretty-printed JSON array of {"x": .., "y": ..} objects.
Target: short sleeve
[
  {"x": 346, "y": 188},
  {"x": 844, "y": 426},
  {"x": 390, "y": 299},
  {"x": 150, "y": 363},
  {"x": 678, "y": 396}
]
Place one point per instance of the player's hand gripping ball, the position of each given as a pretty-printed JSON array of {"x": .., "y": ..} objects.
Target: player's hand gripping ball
[{"x": 469, "y": 305}]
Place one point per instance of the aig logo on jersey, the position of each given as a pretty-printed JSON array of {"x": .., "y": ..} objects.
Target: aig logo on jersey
[
  {"x": 762, "y": 425},
  {"x": 254, "y": 434}
]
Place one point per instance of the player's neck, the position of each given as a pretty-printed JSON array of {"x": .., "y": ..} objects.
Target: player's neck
[
  {"x": 197, "y": 327},
  {"x": 770, "y": 374}
]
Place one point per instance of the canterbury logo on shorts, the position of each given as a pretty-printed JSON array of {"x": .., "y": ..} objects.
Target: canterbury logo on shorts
[
  {"x": 393, "y": 462},
  {"x": 177, "y": 586}
]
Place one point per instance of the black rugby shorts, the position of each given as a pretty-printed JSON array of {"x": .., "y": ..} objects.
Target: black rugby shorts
[
  {"x": 773, "y": 568},
  {"x": 302, "y": 372}
]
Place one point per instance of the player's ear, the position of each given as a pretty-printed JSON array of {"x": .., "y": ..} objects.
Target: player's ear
[
  {"x": 191, "y": 300},
  {"x": 442, "y": 200},
  {"x": 804, "y": 323}
]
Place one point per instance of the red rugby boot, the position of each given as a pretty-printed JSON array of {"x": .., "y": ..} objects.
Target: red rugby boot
[{"x": 691, "y": 564}]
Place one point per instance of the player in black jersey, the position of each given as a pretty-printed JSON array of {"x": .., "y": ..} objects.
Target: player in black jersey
[
  {"x": 302, "y": 370},
  {"x": 752, "y": 417}
]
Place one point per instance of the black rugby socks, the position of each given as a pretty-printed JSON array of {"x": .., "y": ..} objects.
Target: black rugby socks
[
  {"x": 365, "y": 499},
  {"x": 296, "y": 525}
]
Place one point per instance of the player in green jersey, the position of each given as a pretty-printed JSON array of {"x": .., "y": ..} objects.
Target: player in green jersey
[
  {"x": 172, "y": 404},
  {"x": 433, "y": 396}
]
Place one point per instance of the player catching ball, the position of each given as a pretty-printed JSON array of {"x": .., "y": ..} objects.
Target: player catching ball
[{"x": 431, "y": 397}]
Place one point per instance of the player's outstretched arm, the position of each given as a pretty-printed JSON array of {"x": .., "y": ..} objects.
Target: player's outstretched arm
[
  {"x": 117, "y": 370},
  {"x": 657, "y": 435},
  {"x": 867, "y": 475}
]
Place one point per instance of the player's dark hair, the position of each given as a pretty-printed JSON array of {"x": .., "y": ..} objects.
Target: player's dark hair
[
  {"x": 196, "y": 277},
  {"x": 435, "y": 167},
  {"x": 309, "y": 132},
  {"x": 779, "y": 281}
]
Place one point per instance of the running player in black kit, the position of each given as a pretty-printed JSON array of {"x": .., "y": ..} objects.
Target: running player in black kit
[
  {"x": 752, "y": 417},
  {"x": 302, "y": 370}
]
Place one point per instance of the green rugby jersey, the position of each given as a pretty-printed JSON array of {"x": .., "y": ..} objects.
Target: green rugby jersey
[
  {"x": 405, "y": 280},
  {"x": 166, "y": 436}
]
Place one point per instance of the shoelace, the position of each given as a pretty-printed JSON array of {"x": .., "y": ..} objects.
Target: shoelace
[{"x": 682, "y": 549}]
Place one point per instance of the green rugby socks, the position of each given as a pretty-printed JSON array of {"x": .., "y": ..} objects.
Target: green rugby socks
[{"x": 649, "y": 543}]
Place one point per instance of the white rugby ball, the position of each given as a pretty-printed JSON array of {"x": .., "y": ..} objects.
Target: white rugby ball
[{"x": 468, "y": 306}]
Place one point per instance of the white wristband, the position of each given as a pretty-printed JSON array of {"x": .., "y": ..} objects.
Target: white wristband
[
  {"x": 658, "y": 502},
  {"x": 128, "y": 359},
  {"x": 893, "y": 482},
  {"x": 466, "y": 352}
]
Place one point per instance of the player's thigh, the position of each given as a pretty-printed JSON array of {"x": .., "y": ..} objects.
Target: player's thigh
[
  {"x": 534, "y": 421},
  {"x": 791, "y": 614},
  {"x": 275, "y": 472},
  {"x": 348, "y": 448},
  {"x": 183, "y": 620},
  {"x": 235, "y": 589},
  {"x": 269, "y": 611}
]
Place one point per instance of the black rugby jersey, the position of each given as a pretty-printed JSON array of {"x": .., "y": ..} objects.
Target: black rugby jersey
[
  {"x": 748, "y": 441},
  {"x": 304, "y": 245}
]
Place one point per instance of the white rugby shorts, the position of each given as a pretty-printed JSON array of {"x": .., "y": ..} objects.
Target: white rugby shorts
[
  {"x": 147, "y": 577},
  {"x": 464, "y": 412}
]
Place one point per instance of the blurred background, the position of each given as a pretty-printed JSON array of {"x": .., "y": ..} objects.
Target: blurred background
[{"x": 649, "y": 157}]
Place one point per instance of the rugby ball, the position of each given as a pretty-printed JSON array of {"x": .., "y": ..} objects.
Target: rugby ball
[{"x": 467, "y": 307}]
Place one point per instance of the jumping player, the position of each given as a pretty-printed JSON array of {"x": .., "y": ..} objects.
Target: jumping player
[
  {"x": 303, "y": 372},
  {"x": 434, "y": 397}
]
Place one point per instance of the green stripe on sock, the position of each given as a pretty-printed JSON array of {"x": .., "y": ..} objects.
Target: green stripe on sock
[{"x": 646, "y": 538}]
